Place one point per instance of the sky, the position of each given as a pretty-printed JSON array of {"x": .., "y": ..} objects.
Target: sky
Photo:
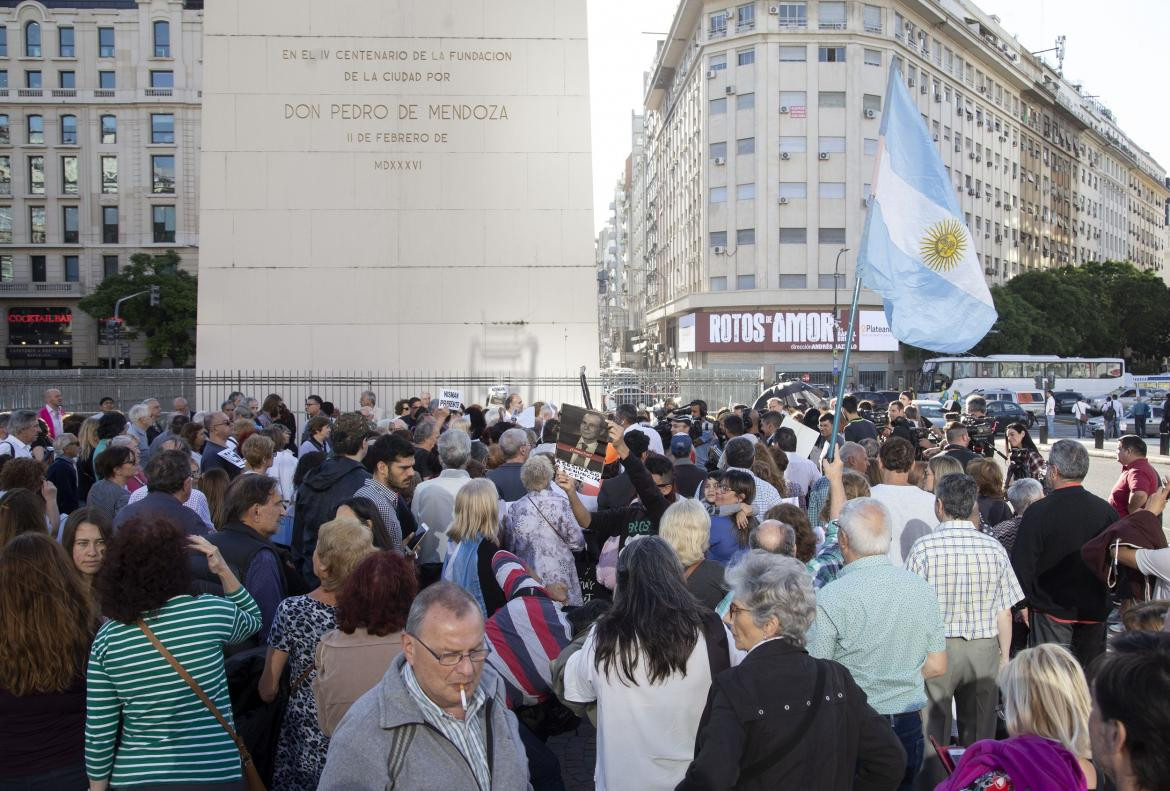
[{"x": 1111, "y": 48}]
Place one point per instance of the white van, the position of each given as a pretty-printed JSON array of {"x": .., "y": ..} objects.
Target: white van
[{"x": 1031, "y": 401}]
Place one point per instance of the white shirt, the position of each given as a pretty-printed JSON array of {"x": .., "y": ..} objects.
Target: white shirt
[
  {"x": 1080, "y": 409},
  {"x": 801, "y": 473},
  {"x": 284, "y": 465},
  {"x": 645, "y": 732},
  {"x": 911, "y": 517},
  {"x": 434, "y": 504},
  {"x": 651, "y": 434},
  {"x": 1156, "y": 562},
  {"x": 19, "y": 449},
  {"x": 1050, "y": 406}
]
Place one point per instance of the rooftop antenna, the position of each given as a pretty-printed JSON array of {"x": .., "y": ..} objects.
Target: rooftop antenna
[{"x": 1059, "y": 50}]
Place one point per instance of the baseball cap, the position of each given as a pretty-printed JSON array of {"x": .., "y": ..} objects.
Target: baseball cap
[{"x": 680, "y": 446}]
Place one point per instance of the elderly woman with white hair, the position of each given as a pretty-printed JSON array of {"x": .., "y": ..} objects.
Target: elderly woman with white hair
[
  {"x": 1022, "y": 493},
  {"x": 540, "y": 529},
  {"x": 140, "y": 421},
  {"x": 768, "y": 719},
  {"x": 686, "y": 527}
]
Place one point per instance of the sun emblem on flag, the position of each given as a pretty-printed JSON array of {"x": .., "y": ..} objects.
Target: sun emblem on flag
[{"x": 943, "y": 245}]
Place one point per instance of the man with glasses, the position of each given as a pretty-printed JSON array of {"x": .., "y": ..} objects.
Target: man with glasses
[
  {"x": 216, "y": 452},
  {"x": 439, "y": 704},
  {"x": 169, "y": 486},
  {"x": 312, "y": 409}
]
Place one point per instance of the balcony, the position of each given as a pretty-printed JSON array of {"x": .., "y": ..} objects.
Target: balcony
[
  {"x": 32, "y": 289},
  {"x": 156, "y": 92}
]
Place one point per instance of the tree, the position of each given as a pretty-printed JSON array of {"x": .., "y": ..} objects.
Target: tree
[{"x": 169, "y": 327}]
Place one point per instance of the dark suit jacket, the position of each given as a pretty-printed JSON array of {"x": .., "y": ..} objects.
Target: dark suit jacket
[
  {"x": 64, "y": 475},
  {"x": 960, "y": 454},
  {"x": 755, "y": 709}
]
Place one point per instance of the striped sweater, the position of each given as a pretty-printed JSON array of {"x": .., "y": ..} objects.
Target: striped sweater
[{"x": 168, "y": 736}]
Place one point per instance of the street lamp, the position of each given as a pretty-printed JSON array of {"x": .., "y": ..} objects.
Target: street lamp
[{"x": 836, "y": 318}]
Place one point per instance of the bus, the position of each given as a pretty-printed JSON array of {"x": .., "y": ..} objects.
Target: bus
[{"x": 1090, "y": 376}]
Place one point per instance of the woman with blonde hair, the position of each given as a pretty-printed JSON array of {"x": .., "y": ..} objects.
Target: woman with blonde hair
[
  {"x": 472, "y": 540},
  {"x": 1046, "y": 709},
  {"x": 686, "y": 527},
  {"x": 292, "y": 640},
  {"x": 257, "y": 451},
  {"x": 87, "y": 438},
  {"x": 937, "y": 468}
]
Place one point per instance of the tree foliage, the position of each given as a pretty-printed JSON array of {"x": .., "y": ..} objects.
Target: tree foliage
[
  {"x": 1103, "y": 309},
  {"x": 168, "y": 327}
]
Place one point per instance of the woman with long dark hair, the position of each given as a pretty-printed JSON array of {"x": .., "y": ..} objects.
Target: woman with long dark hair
[
  {"x": 48, "y": 621},
  {"x": 364, "y": 511},
  {"x": 648, "y": 663},
  {"x": 87, "y": 533},
  {"x": 21, "y": 511},
  {"x": 1024, "y": 459},
  {"x": 145, "y": 725}
]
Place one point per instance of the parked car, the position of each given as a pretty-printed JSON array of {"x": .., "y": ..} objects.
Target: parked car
[
  {"x": 1065, "y": 400},
  {"x": 880, "y": 400},
  {"x": 1031, "y": 401},
  {"x": 1006, "y": 412},
  {"x": 1127, "y": 396},
  {"x": 932, "y": 410},
  {"x": 1127, "y": 424}
]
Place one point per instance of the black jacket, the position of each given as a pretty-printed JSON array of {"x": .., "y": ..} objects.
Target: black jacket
[
  {"x": 756, "y": 731},
  {"x": 64, "y": 474},
  {"x": 961, "y": 454},
  {"x": 322, "y": 490},
  {"x": 1047, "y": 554}
]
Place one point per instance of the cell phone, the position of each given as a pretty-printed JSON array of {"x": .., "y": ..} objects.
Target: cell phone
[{"x": 418, "y": 534}]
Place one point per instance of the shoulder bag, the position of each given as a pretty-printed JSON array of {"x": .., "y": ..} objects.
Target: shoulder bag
[{"x": 252, "y": 780}]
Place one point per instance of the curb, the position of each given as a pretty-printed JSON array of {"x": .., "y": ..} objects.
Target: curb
[{"x": 1107, "y": 452}]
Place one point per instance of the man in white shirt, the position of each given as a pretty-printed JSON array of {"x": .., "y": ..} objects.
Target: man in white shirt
[
  {"x": 1050, "y": 412},
  {"x": 912, "y": 513},
  {"x": 626, "y": 416},
  {"x": 22, "y": 431},
  {"x": 1080, "y": 412},
  {"x": 801, "y": 473}
]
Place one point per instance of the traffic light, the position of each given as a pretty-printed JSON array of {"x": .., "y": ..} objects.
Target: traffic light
[{"x": 154, "y": 296}]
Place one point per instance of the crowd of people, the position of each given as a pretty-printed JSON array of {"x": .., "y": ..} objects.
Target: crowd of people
[{"x": 423, "y": 597}]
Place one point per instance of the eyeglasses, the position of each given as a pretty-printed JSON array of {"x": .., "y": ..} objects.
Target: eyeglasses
[
  {"x": 734, "y": 609},
  {"x": 452, "y": 658}
]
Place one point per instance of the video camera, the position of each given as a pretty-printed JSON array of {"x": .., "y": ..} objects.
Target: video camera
[
  {"x": 981, "y": 431},
  {"x": 880, "y": 419}
]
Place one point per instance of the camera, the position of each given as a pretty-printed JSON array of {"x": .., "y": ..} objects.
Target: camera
[
  {"x": 981, "y": 431},
  {"x": 880, "y": 419}
]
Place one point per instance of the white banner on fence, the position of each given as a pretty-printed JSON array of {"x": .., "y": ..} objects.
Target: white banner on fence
[{"x": 450, "y": 398}]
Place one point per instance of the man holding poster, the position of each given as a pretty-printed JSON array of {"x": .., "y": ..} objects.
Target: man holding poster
[{"x": 581, "y": 445}]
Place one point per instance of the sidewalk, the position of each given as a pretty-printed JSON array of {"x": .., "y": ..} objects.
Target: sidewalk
[{"x": 1109, "y": 451}]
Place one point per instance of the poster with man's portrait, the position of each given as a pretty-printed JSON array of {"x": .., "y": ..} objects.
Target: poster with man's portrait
[{"x": 582, "y": 443}]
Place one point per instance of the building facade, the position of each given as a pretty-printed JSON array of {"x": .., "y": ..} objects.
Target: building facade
[
  {"x": 99, "y": 160},
  {"x": 761, "y": 129}
]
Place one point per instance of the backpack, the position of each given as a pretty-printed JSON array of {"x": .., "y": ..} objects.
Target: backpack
[{"x": 1110, "y": 413}]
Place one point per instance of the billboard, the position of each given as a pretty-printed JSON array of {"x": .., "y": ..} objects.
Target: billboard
[{"x": 786, "y": 331}]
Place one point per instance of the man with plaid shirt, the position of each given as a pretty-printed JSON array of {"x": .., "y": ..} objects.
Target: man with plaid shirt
[{"x": 976, "y": 587}]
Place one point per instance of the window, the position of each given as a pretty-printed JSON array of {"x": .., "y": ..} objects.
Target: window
[
  {"x": 105, "y": 42},
  {"x": 831, "y": 15},
  {"x": 5, "y": 175},
  {"x": 793, "y": 15},
  {"x": 793, "y": 189},
  {"x": 793, "y": 54},
  {"x": 718, "y": 106},
  {"x": 831, "y": 236},
  {"x": 34, "y": 80},
  {"x": 109, "y": 129},
  {"x": 36, "y": 175},
  {"x": 717, "y": 195},
  {"x": 793, "y": 235},
  {"x": 717, "y": 62},
  {"x": 36, "y": 224},
  {"x": 717, "y": 25},
  {"x": 745, "y": 145},
  {"x": 869, "y": 146},
  {"x": 164, "y": 223},
  {"x": 793, "y": 281},
  {"x": 162, "y": 79},
  {"x": 831, "y": 99},
  {"x": 32, "y": 40},
  {"x": 745, "y": 191},
  {"x": 4, "y": 79},
  {"x": 831, "y": 145},
  {"x": 6, "y": 224},
  {"x": 745, "y": 101},
  {"x": 69, "y": 175},
  {"x": 873, "y": 19},
  {"x": 745, "y": 57},
  {"x": 6, "y": 271},
  {"x": 37, "y": 262},
  {"x": 162, "y": 127},
  {"x": 717, "y": 239},
  {"x": 109, "y": 175},
  {"x": 795, "y": 144},
  {"x": 718, "y": 284},
  {"x": 872, "y": 57},
  {"x": 109, "y": 265},
  {"x": 35, "y": 130},
  {"x": 831, "y": 54},
  {"x": 69, "y": 130},
  {"x": 745, "y": 236},
  {"x": 830, "y": 281},
  {"x": 65, "y": 43},
  {"x": 719, "y": 151},
  {"x": 793, "y": 100},
  {"x": 745, "y": 17},
  {"x": 67, "y": 80},
  {"x": 3, "y": 41},
  {"x": 162, "y": 39},
  {"x": 107, "y": 81},
  {"x": 831, "y": 189},
  {"x": 745, "y": 281},
  {"x": 162, "y": 170},
  {"x": 72, "y": 269},
  {"x": 870, "y": 101},
  {"x": 109, "y": 225},
  {"x": 69, "y": 221}
]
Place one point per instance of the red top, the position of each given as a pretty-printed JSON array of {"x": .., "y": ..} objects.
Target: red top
[{"x": 1138, "y": 476}]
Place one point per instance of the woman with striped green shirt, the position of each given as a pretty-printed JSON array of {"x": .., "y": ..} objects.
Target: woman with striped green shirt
[{"x": 168, "y": 737}]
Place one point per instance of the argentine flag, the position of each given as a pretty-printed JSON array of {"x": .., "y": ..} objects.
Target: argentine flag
[{"x": 916, "y": 251}]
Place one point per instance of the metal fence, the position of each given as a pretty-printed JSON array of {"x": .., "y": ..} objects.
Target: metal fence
[{"x": 83, "y": 389}]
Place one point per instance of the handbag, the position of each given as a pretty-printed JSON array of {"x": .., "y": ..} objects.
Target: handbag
[{"x": 252, "y": 780}]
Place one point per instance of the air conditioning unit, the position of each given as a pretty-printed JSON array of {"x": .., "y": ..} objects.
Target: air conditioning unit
[
  {"x": 936, "y": 138},
  {"x": 970, "y": 155},
  {"x": 784, "y": 109},
  {"x": 989, "y": 270},
  {"x": 998, "y": 239},
  {"x": 958, "y": 149},
  {"x": 978, "y": 159},
  {"x": 998, "y": 204},
  {"x": 922, "y": 88},
  {"x": 938, "y": 97},
  {"x": 712, "y": 74},
  {"x": 720, "y": 250},
  {"x": 865, "y": 203},
  {"x": 871, "y": 114},
  {"x": 785, "y": 155},
  {"x": 823, "y": 156},
  {"x": 783, "y": 201},
  {"x": 730, "y": 89},
  {"x": 986, "y": 236},
  {"x": 720, "y": 161},
  {"x": 774, "y": 10},
  {"x": 970, "y": 192}
]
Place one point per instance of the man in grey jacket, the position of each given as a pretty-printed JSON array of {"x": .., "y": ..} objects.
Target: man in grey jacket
[{"x": 439, "y": 718}]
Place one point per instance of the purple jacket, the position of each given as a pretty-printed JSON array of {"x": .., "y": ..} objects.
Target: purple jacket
[{"x": 1029, "y": 761}]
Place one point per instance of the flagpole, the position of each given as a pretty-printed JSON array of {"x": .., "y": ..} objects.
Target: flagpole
[{"x": 845, "y": 361}]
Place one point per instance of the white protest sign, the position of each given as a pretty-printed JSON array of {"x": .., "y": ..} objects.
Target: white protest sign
[
  {"x": 806, "y": 437},
  {"x": 526, "y": 419},
  {"x": 450, "y": 399}
]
